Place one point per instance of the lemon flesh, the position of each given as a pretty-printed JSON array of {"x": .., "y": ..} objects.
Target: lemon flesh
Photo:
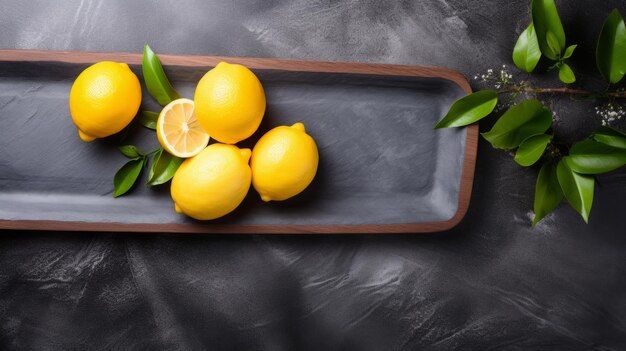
[
  {"x": 104, "y": 99},
  {"x": 284, "y": 162},
  {"x": 230, "y": 103},
  {"x": 179, "y": 131},
  {"x": 212, "y": 183}
]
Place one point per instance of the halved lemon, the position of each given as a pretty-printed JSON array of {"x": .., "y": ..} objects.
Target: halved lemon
[{"x": 179, "y": 131}]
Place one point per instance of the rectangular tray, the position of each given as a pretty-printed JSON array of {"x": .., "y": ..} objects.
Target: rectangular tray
[{"x": 383, "y": 169}]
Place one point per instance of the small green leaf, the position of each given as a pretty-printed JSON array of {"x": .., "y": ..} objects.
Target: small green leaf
[
  {"x": 126, "y": 176},
  {"x": 611, "y": 49},
  {"x": 566, "y": 75},
  {"x": 548, "y": 193},
  {"x": 531, "y": 149},
  {"x": 469, "y": 109},
  {"x": 577, "y": 188},
  {"x": 149, "y": 119},
  {"x": 553, "y": 44},
  {"x": 592, "y": 157},
  {"x": 521, "y": 121},
  {"x": 130, "y": 151},
  {"x": 156, "y": 81},
  {"x": 546, "y": 20},
  {"x": 526, "y": 53},
  {"x": 611, "y": 137},
  {"x": 569, "y": 51},
  {"x": 163, "y": 167}
]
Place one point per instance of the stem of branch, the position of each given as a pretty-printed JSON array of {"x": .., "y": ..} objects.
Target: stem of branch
[{"x": 616, "y": 94}]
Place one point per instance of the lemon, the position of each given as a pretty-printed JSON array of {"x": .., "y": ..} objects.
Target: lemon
[
  {"x": 230, "y": 103},
  {"x": 284, "y": 162},
  {"x": 179, "y": 131},
  {"x": 212, "y": 183},
  {"x": 104, "y": 99}
]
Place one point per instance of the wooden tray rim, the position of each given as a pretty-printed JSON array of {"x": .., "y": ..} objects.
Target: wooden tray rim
[{"x": 85, "y": 57}]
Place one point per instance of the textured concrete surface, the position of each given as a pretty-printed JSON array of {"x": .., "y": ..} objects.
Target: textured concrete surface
[{"x": 490, "y": 283}]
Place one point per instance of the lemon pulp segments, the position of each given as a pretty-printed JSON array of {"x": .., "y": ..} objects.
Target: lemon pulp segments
[{"x": 179, "y": 131}]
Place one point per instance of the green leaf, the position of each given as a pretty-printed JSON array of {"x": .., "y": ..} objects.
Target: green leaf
[
  {"x": 553, "y": 44},
  {"x": 469, "y": 109},
  {"x": 521, "y": 121},
  {"x": 577, "y": 188},
  {"x": 531, "y": 149},
  {"x": 130, "y": 151},
  {"x": 526, "y": 53},
  {"x": 569, "y": 51},
  {"x": 149, "y": 119},
  {"x": 126, "y": 176},
  {"x": 548, "y": 28},
  {"x": 156, "y": 80},
  {"x": 566, "y": 75},
  {"x": 611, "y": 49},
  {"x": 548, "y": 193},
  {"x": 592, "y": 157},
  {"x": 163, "y": 167},
  {"x": 611, "y": 137}
]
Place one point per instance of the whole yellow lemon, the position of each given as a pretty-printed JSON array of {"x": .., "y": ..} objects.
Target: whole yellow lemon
[
  {"x": 284, "y": 162},
  {"x": 230, "y": 103},
  {"x": 104, "y": 99},
  {"x": 212, "y": 183}
]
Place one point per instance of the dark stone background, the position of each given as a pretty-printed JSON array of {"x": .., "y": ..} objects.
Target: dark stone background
[{"x": 490, "y": 283}]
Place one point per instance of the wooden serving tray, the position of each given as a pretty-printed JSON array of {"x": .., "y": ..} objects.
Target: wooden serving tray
[{"x": 383, "y": 169}]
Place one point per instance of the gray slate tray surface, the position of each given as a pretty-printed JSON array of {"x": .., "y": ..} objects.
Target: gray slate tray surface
[{"x": 381, "y": 162}]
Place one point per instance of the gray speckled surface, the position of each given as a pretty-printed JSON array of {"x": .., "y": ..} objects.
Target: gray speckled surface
[
  {"x": 381, "y": 162},
  {"x": 490, "y": 283}
]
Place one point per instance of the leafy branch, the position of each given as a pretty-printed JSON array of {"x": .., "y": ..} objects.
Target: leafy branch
[
  {"x": 164, "y": 165},
  {"x": 567, "y": 171}
]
